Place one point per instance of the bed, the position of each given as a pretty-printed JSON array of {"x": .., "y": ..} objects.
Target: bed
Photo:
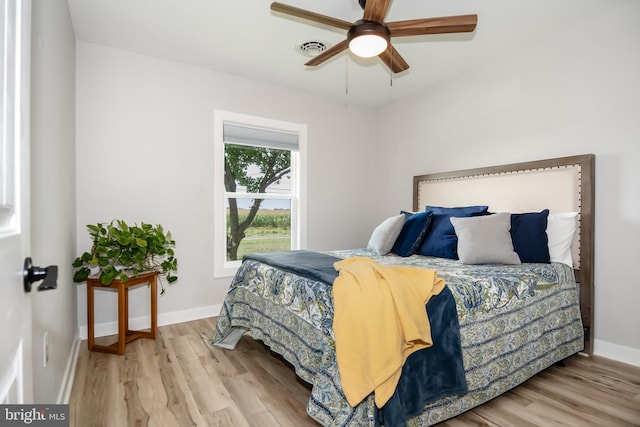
[{"x": 513, "y": 321}]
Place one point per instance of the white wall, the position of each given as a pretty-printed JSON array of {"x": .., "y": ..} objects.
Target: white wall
[
  {"x": 570, "y": 90},
  {"x": 145, "y": 153},
  {"x": 53, "y": 209}
]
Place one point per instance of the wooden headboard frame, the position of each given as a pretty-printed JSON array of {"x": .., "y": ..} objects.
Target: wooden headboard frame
[{"x": 581, "y": 172}]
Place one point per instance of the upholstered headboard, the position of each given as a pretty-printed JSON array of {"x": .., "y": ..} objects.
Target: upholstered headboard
[{"x": 565, "y": 184}]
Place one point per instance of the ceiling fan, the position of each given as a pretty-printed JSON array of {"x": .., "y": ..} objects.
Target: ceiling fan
[{"x": 371, "y": 36}]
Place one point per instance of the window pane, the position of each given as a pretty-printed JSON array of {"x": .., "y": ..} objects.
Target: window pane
[
  {"x": 257, "y": 169},
  {"x": 268, "y": 231}
]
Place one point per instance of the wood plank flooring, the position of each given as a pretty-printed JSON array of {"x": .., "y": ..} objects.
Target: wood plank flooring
[{"x": 179, "y": 379}]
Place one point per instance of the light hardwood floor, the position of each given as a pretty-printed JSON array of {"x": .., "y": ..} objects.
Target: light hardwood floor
[{"x": 179, "y": 379}]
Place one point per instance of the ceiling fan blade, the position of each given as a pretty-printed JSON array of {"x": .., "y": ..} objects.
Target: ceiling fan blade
[
  {"x": 310, "y": 16},
  {"x": 329, "y": 53},
  {"x": 445, "y": 24},
  {"x": 392, "y": 58},
  {"x": 376, "y": 10}
]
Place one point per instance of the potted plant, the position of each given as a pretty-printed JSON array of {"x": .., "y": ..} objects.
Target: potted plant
[{"x": 121, "y": 251}]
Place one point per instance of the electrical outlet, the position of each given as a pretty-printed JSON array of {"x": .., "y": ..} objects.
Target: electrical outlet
[{"x": 45, "y": 349}]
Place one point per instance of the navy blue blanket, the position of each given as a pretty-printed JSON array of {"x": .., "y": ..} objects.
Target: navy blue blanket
[
  {"x": 309, "y": 264},
  {"x": 428, "y": 374},
  {"x": 431, "y": 373}
]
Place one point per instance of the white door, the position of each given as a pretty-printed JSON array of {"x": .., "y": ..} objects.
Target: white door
[{"x": 15, "y": 304}]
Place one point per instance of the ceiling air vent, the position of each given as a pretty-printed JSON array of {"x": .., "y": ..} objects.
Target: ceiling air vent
[{"x": 312, "y": 48}]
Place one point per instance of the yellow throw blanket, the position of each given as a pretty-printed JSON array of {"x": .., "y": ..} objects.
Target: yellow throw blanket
[{"x": 379, "y": 320}]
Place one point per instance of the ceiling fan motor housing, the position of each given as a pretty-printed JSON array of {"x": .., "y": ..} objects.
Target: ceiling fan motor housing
[{"x": 362, "y": 27}]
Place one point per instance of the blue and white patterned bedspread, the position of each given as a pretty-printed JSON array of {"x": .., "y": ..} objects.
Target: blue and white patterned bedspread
[{"x": 514, "y": 322}]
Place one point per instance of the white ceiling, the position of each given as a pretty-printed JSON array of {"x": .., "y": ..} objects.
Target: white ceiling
[{"x": 245, "y": 38}]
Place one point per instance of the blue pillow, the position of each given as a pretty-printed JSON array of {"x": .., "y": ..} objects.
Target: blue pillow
[
  {"x": 529, "y": 236},
  {"x": 413, "y": 232},
  {"x": 441, "y": 240}
]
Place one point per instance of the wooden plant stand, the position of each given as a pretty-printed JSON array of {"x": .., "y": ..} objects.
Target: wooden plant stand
[{"x": 124, "y": 334}]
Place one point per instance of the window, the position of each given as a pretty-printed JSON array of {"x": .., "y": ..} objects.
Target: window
[
  {"x": 14, "y": 79},
  {"x": 259, "y": 187}
]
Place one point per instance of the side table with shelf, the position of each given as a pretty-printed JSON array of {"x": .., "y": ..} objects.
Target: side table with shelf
[{"x": 124, "y": 334}]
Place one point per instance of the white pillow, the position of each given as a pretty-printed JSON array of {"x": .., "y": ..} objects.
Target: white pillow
[
  {"x": 485, "y": 239},
  {"x": 385, "y": 234},
  {"x": 561, "y": 227}
]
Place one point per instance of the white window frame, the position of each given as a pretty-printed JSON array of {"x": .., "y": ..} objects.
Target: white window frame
[
  {"x": 222, "y": 267},
  {"x": 15, "y": 48}
]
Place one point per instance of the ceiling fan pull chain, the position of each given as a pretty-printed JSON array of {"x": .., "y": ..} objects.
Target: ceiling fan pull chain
[{"x": 346, "y": 75}]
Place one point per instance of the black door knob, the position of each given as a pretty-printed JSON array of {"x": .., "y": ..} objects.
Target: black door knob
[{"x": 31, "y": 274}]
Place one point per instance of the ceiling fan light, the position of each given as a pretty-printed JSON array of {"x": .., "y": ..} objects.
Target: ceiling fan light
[
  {"x": 368, "y": 45},
  {"x": 368, "y": 38}
]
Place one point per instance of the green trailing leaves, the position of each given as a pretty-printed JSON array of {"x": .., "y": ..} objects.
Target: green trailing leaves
[
  {"x": 82, "y": 274},
  {"x": 121, "y": 251}
]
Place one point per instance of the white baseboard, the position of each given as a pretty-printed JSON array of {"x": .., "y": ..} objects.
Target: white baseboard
[
  {"x": 69, "y": 372},
  {"x": 617, "y": 352},
  {"x": 111, "y": 328}
]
